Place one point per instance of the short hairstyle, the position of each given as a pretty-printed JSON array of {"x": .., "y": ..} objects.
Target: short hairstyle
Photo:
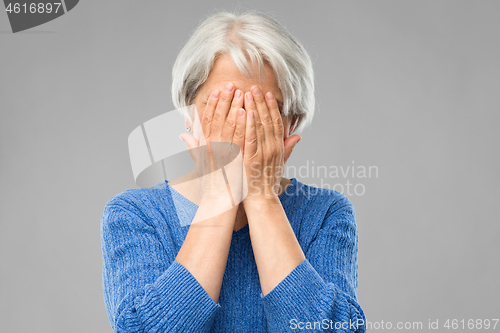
[{"x": 249, "y": 36}]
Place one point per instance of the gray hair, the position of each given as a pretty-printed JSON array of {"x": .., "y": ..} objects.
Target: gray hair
[{"x": 250, "y": 36}]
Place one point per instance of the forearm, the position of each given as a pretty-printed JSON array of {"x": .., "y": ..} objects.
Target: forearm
[
  {"x": 275, "y": 247},
  {"x": 205, "y": 249}
]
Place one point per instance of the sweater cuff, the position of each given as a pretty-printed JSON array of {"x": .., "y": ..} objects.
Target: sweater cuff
[
  {"x": 301, "y": 293},
  {"x": 178, "y": 288}
]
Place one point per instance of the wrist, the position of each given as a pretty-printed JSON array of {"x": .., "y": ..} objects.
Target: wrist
[{"x": 260, "y": 200}]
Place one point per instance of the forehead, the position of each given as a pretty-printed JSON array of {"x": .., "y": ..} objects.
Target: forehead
[{"x": 225, "y": 70}]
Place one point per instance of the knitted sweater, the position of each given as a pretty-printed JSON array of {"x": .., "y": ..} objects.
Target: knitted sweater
[{"x": 146, "y": 290}]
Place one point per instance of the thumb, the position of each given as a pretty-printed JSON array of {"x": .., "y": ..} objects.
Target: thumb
[
  {"x": 289, "y": 144},
  {"x": 191, "y": 144}
]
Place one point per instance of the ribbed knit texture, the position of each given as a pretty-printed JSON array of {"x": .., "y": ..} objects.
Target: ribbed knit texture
[{"x": 146, "y": 290}]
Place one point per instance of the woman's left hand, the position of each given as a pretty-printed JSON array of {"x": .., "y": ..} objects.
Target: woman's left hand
[{"x": 266, "y": 151}]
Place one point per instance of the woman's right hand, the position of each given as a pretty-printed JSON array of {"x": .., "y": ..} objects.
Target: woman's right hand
[
  {"x": 206, "y": 246},
  {"x": 222, "y": 137}
]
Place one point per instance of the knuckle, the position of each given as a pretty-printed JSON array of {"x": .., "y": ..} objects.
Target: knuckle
[
  {"x": 217, "y": 116},
  {"x": 225, "y": 97},
  {"x": 230, "y": 123},
  {"x": 239, "y": 134},
  {"x": 206, "y": 120},
  {"x": 266, "y": 120},
  {"x": 252, "y": 140}
]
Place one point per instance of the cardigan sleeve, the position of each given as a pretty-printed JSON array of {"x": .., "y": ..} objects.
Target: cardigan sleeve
[
  {"x": 143, "y": 290},
  {"x": 320, "y": 294}
]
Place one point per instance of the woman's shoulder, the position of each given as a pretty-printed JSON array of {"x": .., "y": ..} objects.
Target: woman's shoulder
[
  {"x": 138, "y": 196},
  {"x": 147, "y": 203}
]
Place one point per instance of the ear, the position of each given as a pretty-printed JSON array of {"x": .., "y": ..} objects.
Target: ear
[{"x": 187, "y": 122}]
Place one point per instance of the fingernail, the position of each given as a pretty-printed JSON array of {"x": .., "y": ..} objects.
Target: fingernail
[
  {"x": 241, "y": 112},
  {"x": 180, "y": 137},
  {"x": 269, "y": 96},
  {"x": 229, "y": 87},
  {"x": 249, "y": 96},
  {"x": 256, "y": 90},
  {"x": 238, "y": 93},
  {"x": 215, "y": 93}
]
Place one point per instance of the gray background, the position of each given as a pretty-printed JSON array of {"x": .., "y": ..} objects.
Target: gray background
[{"x": 410, "y": 87}]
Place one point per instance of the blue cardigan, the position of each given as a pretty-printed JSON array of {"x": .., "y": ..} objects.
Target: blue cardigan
[{"x": 146, "y": 290}]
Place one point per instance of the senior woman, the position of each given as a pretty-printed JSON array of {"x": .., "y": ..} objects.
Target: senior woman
[{"x": 283, "y": 259}]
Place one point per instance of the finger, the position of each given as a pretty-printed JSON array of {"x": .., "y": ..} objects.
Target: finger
[
  {"x": 250, "y": 135},
  {"x": 275, "y": 114},
  {"x": 209, "y": 113},
  {"x": 250, "y": 106},
  {"x": 239, "y": 132},
  {"x": 289, "y": 144},
  {"x": 231, "y": 119},
  {"x": 264, "y": 116},
  {"x": 221, "y": 111}
]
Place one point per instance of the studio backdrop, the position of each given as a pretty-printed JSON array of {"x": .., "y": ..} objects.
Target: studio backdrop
[{"x": 405, "y": 125}]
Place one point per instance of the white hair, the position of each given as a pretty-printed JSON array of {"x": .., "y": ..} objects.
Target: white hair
[{"x": 250, "y": 36}]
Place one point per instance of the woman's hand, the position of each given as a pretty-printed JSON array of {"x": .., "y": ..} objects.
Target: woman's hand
[
  {"x": 276, "y": 249},
  {"x": 205, "y": 249},
  {"x": 222, "y": 136},
  {"x": 265, "y": 150}
]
